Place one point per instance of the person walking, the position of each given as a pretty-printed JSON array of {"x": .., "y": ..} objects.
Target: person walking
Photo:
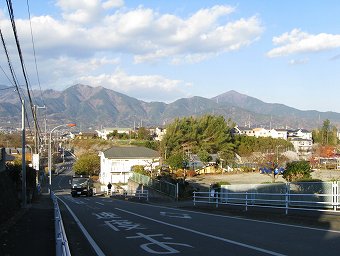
[{"x": 109, "y": 186}]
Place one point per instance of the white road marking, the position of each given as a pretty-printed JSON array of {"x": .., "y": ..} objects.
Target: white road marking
[
  {"x": 175, "y": 215},
  {"x": 99, "y": 203},
  {"x": 150, "y": 247},
  {"x": 244, "y": 219},
  {"x": 87, "y": 235},
  {"x": 205, "y": 234}
]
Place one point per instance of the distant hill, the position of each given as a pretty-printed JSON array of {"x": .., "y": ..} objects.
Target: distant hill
[{"x": 97, "y": 107}]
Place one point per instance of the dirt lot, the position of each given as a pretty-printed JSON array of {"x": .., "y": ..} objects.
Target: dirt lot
[{"x": 204, "y": 180}]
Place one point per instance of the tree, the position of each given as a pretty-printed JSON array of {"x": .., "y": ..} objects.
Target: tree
[
  {"x": 326, "y": 135},
  {"x": 295, "y": 171},
  {"x": 112, "y": 134},
  {"x": 204, "y": 156},
  {"x": 140, "y": 169},
  {"x": 143, "y": 134},
  {"x": 209, "y": 133},
  {"x": 87, "y": 164},
  {"x": 176, "y": 161}
]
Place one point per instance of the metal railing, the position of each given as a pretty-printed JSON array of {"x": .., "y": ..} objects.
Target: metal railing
[
  {"x": 316, "y": 200},
  {"x": 139, "y": 193},
  {"x": 164, "y": 187},
  {"x": 62, "y": 247}
]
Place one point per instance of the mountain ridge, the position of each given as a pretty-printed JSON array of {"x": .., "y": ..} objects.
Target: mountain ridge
[{"x": 93, "y": 107}]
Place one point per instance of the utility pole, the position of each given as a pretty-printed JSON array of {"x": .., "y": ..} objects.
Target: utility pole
[
  {"x": 36, "y": 146},
  {"x": 36, "y": 142},
  {"x": 23, "y": 140}
]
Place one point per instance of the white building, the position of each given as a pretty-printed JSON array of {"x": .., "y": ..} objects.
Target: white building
[
  {"x": 159, "y": 133},
  {"x": 116, "y": 162},
  {"x": 279, "y": 134},
  {"x": 244, "y": 131},
  {"x": 302, "y": 146},
  {"x": 261, "y": 132},
  {"x": 106, "y": 131},
  {"x": 300, "y": 133}
]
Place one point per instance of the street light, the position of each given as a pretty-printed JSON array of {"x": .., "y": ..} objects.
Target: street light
[{"x": 49, "y": 153}]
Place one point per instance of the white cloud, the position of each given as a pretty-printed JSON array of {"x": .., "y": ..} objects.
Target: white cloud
[
  {"x": 72, "y": 46},
  {"x": 81, "y": 11},
  {"x": 88, "y": 28},
  {"x": 298, "y": 41},
  {"x": 298, "y": 61},
  {"x": 113, "y": 4}
]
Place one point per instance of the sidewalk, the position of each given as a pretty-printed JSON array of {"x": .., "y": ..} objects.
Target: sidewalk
[{"x": 30, "y": 231}]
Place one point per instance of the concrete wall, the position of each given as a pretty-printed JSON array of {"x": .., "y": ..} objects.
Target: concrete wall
[
  {"x": 9, "y": 202},
  {"x": 2, "y": 159}
]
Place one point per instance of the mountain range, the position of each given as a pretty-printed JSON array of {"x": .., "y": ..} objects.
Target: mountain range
[{"x": 96, "y": 107}]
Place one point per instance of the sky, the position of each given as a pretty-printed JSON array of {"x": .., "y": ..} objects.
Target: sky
[{"x": 159, "y": 50}]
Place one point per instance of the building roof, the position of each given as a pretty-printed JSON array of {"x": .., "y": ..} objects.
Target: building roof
[{"x": 130, "y": 152}]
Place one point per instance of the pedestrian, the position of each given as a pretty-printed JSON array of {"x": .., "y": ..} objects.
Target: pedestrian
[{"x": 109, "y": 186}]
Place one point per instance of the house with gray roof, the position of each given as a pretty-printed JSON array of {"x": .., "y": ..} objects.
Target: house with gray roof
[{"x": 116, "y": 162}]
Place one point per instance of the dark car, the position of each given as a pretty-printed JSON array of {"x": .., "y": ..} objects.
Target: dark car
[{"x": 81, "y": 185}]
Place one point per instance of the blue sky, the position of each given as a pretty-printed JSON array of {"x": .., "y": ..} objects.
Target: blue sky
[{"x": 158, "y": 50}]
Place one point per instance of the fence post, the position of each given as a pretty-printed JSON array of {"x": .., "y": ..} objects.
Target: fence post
[
  {"x": 287, "y": 197},
  {"x": 246, "y": 201},
  {"x": 216, "y": 193},
  {"x": 177, "y": 191},
  {"x": 335, "y": 196},
  {"x": 194, "y": 198}
]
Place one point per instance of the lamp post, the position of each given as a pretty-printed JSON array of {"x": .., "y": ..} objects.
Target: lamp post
[{"x": 50, "y": 154}]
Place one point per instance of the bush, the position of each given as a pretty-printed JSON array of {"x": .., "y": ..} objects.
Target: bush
[
  {"x": 140, "y": 169},
  {"x": 180, "y": 173},
  {"x": 220, "y": 183},
  {"x": 296, "y": 171},
  {"x": 191, "y": 173}
]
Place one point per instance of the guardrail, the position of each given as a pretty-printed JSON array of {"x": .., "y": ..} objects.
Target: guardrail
[
  {"x": 62, "y": 247},
  {"x": 282, "y": 200},
  {"x": 139, "y": 193}
]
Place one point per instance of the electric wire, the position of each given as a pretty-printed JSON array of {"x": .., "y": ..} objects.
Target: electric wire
[
  {"x": 36, "y": 68},
  {"x": 15, "y": 80},
  {"x": 11, "y": 15},
  {"x": 34, "y": 52}
]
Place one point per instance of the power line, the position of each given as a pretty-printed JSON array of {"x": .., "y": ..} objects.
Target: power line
[
  {"x": 11, "y": 15},
  {"x": 10, "y": 66}
]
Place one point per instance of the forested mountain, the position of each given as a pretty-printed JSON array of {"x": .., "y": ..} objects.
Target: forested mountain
[{"x": 100, "y": 107}]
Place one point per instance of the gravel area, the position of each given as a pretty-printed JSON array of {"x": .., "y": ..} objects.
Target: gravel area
[{"x": 204, "y": 180}]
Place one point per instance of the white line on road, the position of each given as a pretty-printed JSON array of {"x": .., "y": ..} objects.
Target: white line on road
[
  {"x": 245, "y": 219},
  {"x": 205, "y": 234},
  {"x": 99, "y": 203},
  {"x": 86, "y": 234}
]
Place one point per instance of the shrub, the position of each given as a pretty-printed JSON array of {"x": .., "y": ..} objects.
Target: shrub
[
  {"x": 299, "y": 170},
  {"x": 140, "y": 169},
  {"x": 220, "y": 183},
  {"x": 180, "y": 173},
  {"x": 191, "y": 173}
]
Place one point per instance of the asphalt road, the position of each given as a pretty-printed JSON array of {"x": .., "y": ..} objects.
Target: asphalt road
[{"x": 106, "y": 226}]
